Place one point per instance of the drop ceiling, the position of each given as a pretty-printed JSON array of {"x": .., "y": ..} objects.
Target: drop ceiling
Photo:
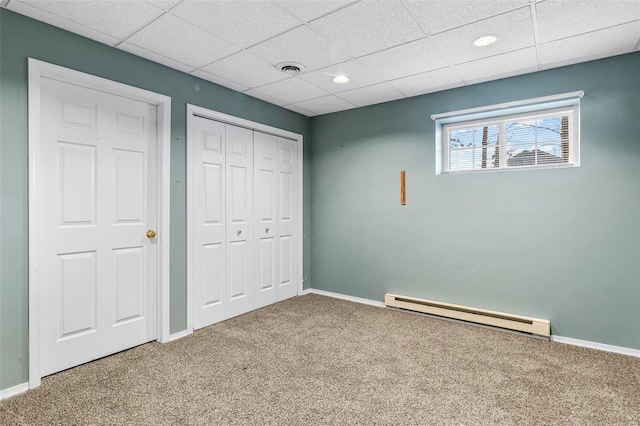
[{"x": 389, "y": 49}]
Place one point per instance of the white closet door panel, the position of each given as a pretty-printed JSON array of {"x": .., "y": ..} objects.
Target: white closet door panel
[
  {"x": 97, "y": 178},
  {"x": 212, "y": 274},
  {"x": 212, "y": 195},
  {"x": 244, "y": 219},
  {"x": 238, "y": 279},
  {"x": 265, "y": 208},
  {"x": 286, "y": 262},
  {"x": 266, "y": 267},
  {"x": 208, "y": 250},
  {"x": 287, "y": 218},
  {"x": 239, "y": 214},
  {"x": 238, "y": 196}
]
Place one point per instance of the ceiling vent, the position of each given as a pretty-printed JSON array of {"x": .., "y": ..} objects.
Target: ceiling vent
[{"x": 291, "y": 68}]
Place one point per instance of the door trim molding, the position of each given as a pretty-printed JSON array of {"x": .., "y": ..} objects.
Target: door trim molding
[
  {"x": 241, "y": 122},
  {"x": 37, "y": 71}
]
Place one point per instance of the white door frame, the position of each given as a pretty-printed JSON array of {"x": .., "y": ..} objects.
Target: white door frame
[
  {"x": 37, "y": 71},
  {"x": 241, "y": 122}
]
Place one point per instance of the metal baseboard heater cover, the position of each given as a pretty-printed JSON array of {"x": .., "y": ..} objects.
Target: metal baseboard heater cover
[{"x": 539, "y": 327}]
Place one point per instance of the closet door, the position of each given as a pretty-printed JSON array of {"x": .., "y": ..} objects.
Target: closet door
[
  {"x": 287, "y": 219},
  {"x": 208, "y": 146},
  {"x": 243, "y": 219},
  {"x": 239, "y": 220},
  {"x": 265, "y": 204}
]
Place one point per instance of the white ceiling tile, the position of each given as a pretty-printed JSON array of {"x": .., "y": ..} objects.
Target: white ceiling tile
[
  {"x": 240, "y": 22},
  {"x": 371, "y": 95},
  {"x": 300, "y": 45},
  {"x": 513, "y": 29},
  {"x": 499, "y": 66},
  {"x": 292, "y": 90},
  {"x": 428, "y": 82},
  {"x": 565, "y": 18},
  {"x": 182, "y": 42},
  {"x": 307, "y": 10},
  {"x": 163, "y": 4},
  {"x": 219, "y": 81},
  {"x": 299, "y": 110},
  {"x": 138, "y": 51},
  {"x": 245, "y": 69},
  {"x": 65, "y": 24},
  {"x": 359, "y": 76},
  {"x": 369, "y": 26},
  {"x": 119, "y": 19},
  {"x": 594, "y": 45},
  {"x": 440, "y": 15},
  {"x": 381, "y": 34},
  {"x": 325, "y": 105},
  {"x": 264, "y": 97},
  {"x": 407, "y": 59}
]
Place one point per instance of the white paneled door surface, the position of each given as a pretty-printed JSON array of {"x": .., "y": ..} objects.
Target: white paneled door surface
[
  {"x": 266, "y": 217},
  {"x": 239, "y": 206},
  {"x": 96, "y": 175},
  {"x": 243, "y": 219},
  {"x": 209, "y": 221},
  {"x": 287, "y": 218}
]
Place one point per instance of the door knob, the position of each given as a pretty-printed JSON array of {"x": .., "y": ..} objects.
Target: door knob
[
  {"x": 266, "y": 231},
  {"x": 151, "y": 233},
  {"x": 239, "y": 231}
]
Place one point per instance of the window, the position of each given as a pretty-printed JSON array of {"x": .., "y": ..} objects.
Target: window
[{"x": 542, "y": 137}]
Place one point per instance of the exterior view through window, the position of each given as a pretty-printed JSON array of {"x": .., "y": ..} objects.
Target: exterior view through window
[{"x": 541, "y": 139}]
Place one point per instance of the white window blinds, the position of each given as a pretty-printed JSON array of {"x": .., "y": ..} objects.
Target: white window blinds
[{"x": 540, "y": 139}]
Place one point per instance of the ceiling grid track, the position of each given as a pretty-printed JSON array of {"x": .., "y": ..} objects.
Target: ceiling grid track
[{"x": 536, "y": 34}]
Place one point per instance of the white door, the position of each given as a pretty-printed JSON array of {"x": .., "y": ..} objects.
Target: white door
[
  {"x": 265, "y": 218},
  {"x": 239, "y": 232},
  {"x": 208, "y": 221},
  {"x": 287, "y": 218},
  {"x": 243, "y": 219},
  {"x": 96, "y": 175}
]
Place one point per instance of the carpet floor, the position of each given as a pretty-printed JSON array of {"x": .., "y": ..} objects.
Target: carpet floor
[{"x": 313, "y": 360}]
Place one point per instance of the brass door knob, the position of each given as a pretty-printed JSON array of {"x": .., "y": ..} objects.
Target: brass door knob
[{"x": 151, "y": 233}]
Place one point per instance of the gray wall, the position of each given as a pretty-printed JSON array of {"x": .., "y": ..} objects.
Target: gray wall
[
  {"x": 20, "y": 38},
  {"x": 560, "y": 244}
]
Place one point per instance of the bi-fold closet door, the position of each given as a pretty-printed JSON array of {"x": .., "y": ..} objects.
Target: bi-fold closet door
[
  {"x": 275, "y": 218},
  {"x": 243, "y": 218}
]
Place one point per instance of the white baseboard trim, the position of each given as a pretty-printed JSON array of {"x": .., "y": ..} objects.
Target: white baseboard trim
[
  {"x": 554, "y": 338},
  {"x": 13, "y": 391},
  {"x": 344, "y": 297},
  {"x": 178, "y": 335},
  {"x": 596, "y": 345}
]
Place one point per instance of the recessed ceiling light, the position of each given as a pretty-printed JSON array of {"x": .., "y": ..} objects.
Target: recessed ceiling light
[
  {"x": 340, "y": 79},
  {"x": 485, "y": 40}
]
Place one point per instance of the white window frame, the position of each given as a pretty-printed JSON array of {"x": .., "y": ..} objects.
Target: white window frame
[{"x": 530, "y": 109}]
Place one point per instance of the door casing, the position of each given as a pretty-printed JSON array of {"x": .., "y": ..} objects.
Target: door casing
[
  {"x": 37, "y": 71},
  {"x": 241, "y": 122}
]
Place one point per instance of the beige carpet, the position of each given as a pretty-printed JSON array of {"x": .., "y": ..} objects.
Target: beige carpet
[{"x": 315, "y": 360}]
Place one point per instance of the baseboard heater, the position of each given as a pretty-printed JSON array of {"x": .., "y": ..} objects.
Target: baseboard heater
[{"x": 536, "y": 326}]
